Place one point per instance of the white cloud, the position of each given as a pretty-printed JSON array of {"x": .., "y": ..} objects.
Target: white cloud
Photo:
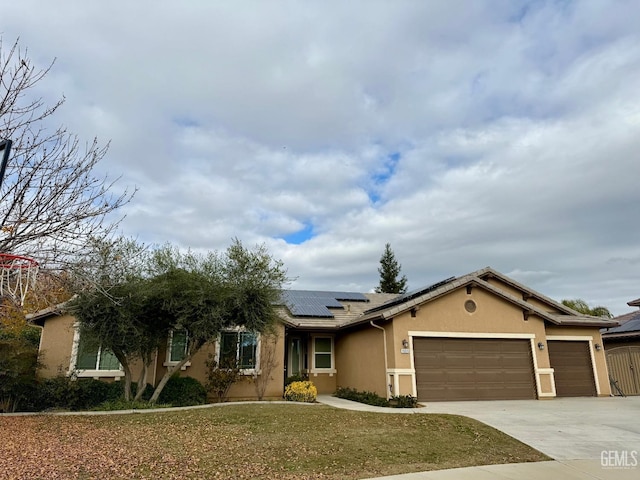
[{"x": 515, "y": 124}]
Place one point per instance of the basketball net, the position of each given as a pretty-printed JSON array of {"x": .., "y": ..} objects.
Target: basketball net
[{"x": 17, "y": 275}]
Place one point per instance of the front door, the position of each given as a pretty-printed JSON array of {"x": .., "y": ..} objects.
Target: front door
[{"x": 296, "y": 366}]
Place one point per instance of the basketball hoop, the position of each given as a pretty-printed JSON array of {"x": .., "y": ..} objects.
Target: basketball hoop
[{"x": 17, "y": 275}]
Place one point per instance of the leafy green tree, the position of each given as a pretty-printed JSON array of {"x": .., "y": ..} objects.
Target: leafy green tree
[
  {"x": 583, "y": 307},
  {"x": 207, "y": 294},
  {"x": 132, "y": 310},
  {"x": 389, "y": 270},
  {"x": 112, "y": 284}
]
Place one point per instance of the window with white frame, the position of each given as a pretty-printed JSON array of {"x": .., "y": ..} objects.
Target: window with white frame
[
  {"x": 177, "y": 344},
  {"x": 89, "y": 358},
  {"x": 238, "y": 348},
  {"x": 323, "y": 361}
]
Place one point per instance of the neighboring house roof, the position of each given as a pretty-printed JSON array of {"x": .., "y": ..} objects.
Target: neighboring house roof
[
  {"x": 634, "y": 303},
  {"x": 39, "y": 317},
  {"x": 629, "y": 324},
  {"x": 352, "y": 313}
]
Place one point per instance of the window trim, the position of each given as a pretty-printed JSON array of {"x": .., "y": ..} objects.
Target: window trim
[
  {"x": 88, "y": 373},
  {"x": 243, "y": 371},
  {"x": 316, "y": 370},
  {"x": 167, "y": 359}
]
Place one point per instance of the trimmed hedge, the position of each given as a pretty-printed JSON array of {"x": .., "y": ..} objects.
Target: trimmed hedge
[
  {"x": 371, "y": 398},
  {"x": 182, "y": 392}
]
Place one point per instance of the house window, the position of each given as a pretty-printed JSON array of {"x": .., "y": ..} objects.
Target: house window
[
  {"x": 177, "y": 344},
  {"x": 91, "y": 359},
  {"x": 239, "y": 348},
  {"x": 323, "y": 355}
]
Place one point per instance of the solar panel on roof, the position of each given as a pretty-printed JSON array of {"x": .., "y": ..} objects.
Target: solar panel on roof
[
  {"x": 412, "y": 294},
  {"x": 313, "y": 303}
]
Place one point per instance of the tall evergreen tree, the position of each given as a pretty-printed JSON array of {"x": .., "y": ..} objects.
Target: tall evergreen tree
[{"x": 390, "y": 280}]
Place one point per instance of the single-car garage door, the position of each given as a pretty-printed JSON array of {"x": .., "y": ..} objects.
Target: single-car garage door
[
  {"x": 573, "y": 372},
  {"x": 473, "y": 369}
]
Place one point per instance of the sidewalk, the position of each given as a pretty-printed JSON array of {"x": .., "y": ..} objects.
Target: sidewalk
[
  {"x": 565, "y": 470},
  {"x": 562, "y": 469}
]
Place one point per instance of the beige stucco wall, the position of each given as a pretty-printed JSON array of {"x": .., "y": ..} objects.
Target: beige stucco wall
[
  {"x": 518, "y": 294},
  {"x": 360, "y": 360},
  {"x": 494, "y": 317},
  {"x": 447, "y": 314},
  {"x": 55, "y": 346},
  {"x": 245, "y": 388}
]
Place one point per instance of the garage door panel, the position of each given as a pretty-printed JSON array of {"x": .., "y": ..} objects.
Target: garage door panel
[
  {"x": 473, "y": 369},
  {"x": 573, "y": 370}
]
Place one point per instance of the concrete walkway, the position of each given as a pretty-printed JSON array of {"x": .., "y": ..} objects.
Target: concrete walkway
[{"x": 573, "y": 431}]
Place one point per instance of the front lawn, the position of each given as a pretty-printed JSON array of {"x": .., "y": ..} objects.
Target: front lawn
[{"x": 249, "y": 441}]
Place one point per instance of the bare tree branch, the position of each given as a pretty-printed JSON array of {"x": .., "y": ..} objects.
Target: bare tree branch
[{"x": 51, "y": 203}]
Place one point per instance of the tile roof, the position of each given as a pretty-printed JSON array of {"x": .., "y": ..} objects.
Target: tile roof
[
  {"x": 629, "y": 326},
  {"x": 634, "y": 303},
  {"x": 472, "y": 279},
  {"x": 385, "y": 306}
]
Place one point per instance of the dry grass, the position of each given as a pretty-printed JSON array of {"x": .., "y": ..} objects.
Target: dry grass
[{"x": 248, "y": 441}]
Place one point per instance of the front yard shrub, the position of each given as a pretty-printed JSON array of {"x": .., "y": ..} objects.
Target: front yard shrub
[
  {"x": 220, "y": 378},
  {"x": 18, "y": 363},
  {"x": 371, "y": 398},
  {"x": 403, "y": 401},
  {"x": 301, "y": 392},
  {"x": 71, "y": 393},
  {"x": 183, "y": 391}
]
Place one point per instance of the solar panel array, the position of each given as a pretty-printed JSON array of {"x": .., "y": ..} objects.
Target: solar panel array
[
  {"x": 409, "y": 295},
  {"x": 311, "y": 303},
  {"x": 632, "y": 325}
]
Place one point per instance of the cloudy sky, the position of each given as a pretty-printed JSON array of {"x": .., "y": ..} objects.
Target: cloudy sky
[{"x": 465, "y": 133}]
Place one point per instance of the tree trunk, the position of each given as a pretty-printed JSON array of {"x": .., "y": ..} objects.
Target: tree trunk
[
  {"x": 163, "y": 381},
  {"x": 142, "y": 381},
  {"x": 124, "y": 361}
]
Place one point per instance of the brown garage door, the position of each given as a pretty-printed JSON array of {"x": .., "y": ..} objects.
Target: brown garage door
[
  {"x": 473, "y": 369},
  {"x": 573, "y": 371}
]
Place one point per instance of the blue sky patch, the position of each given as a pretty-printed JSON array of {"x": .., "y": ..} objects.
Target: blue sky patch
[
  {"x": 382, "y": 176},
  {"x": 300, "y": 236}
]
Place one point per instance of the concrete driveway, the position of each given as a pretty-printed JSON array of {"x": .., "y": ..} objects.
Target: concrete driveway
[
  {"x": 595, "y": 438},
  {"x": 563, "y": 428}
]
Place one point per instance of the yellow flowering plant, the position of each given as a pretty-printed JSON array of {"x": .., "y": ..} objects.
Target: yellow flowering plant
[{"x": 301, "y": 392}]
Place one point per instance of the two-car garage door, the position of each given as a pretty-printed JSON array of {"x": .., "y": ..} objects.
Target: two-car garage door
[
  {"x": 473, "y": 369},
  {"x": 496, "y": 369}
]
